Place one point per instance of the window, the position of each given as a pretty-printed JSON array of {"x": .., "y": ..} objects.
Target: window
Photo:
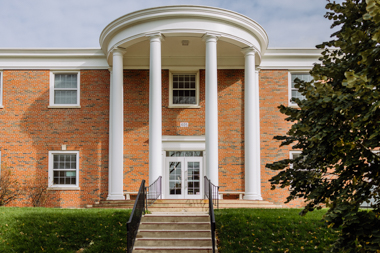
[
  {"x": 293, "y": 92},
  {"x": 1, "y": 89},
  {"x": 294, "y": 155},
  {"x": 64, "y": 89},
  {"x": 184, "y": 90},
  {"x": 64, "y": 169}
]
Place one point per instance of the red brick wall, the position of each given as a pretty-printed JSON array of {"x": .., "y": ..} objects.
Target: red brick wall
[
  {"x": 29, "y": 130},
  {"x": 273, "y": 92}
]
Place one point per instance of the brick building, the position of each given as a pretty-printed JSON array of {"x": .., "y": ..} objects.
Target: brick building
[{"x": 178, "y": 91}]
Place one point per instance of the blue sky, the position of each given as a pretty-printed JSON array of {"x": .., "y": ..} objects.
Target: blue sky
[{"x": 78, "y": 23}]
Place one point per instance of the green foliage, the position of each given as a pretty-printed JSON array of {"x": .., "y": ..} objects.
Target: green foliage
[
  {"x": 272, "y": 230},
  {"x": 63, "y": 230},
  {"x": 337, "y": 127}
]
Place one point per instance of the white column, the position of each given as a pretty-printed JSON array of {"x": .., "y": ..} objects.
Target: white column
[
  {"x": 155, "y": 108},
  {"x": 251, "y": 127},
  {"x": 212, "y": 160},
  {"x": 115, "y": 183}
]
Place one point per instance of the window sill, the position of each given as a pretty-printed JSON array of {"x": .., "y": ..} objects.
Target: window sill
[
  {"x": 185, "y": 106},
  {"x": 74, "y": 188},
  {"x": 293, "y": 105},
  {"x": 64, "y": 106},
  {"x": 1, "y": 106}
]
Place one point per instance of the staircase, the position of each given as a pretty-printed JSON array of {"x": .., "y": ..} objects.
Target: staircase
[
  {"x": 174, "y": 232},
  {"x": 187, "y": 205}
]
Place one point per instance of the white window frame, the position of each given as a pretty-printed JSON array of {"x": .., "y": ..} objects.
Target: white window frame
[
  {"x": 51, "y": 172},
  {"x": 51, "y": 90},
  {"x": 292, "y": 153},
  {"x": 1, "y": 89},
  {"x": 171, "y": 105},
  {"x": 290, "y": 73}
]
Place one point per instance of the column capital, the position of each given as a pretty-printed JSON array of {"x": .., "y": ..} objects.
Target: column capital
[
  {"x": 119, "y": 50},
  {"x": 249, "y": 51},
  {"x": 155, "y": 36},
  {"x": 209, "y": 36}
]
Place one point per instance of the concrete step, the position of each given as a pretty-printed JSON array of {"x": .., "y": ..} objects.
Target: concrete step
[
  {"x": 173, "y": 242},
  {"x": 163, "y": 217},
  {"x": 177, "y": 209},
  {"x": 181, "y": 226},
  {"x": 172, "y": 249},
  {"x": 174, "y": 234}
]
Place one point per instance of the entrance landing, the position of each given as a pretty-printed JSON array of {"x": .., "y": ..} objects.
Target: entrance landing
[{"x": 187, "y": 205}]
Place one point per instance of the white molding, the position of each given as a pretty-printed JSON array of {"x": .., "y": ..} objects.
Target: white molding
[
  {"x": 51, "y": 90},
  {"x": 181, "y": 11},
  {"x": 50, "y": 169},
  {"x": 183, "y": 143}
]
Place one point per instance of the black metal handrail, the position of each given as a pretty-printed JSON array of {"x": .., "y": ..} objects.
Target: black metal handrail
[
  {"x": 153, "y": 192},
  {"x": 135, "y": 218},
  {"x": 214, "y": 192},
  {"x": 210, "y": 190}
]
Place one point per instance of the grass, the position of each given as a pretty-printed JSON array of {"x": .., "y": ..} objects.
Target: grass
[
  {"x": 104, "y": 230},
  {"x": 272, "y": 230},
  {"x": 63, "y": 230}
]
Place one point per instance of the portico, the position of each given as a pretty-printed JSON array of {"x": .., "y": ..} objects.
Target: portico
[{"x": 155, "y": 39}]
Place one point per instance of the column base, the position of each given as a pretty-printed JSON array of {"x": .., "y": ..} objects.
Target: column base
[
  {"x": 115, "y": 197},
  {"x": 252, "y": 196}
]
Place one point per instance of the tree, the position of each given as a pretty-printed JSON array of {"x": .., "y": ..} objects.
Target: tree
[
  {"x": 9, "y": 187},
  {"x": 337, "y": 127}
]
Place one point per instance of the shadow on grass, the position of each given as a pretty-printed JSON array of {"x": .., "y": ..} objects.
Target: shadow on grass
[
  {"x": 272, "y": 230},
  {"x": 63, "y": 230}
]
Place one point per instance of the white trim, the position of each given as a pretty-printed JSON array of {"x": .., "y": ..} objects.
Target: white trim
[
  {"x": 51, "y": 90},
  {"x": 293, "y": 152},
  {"x": 1, "y": 89},
  {"x": 182, "y": 143},
  {"x": 51, "y": 175},
  {"x": 292, "y": 104},
  {"x": 171, "y": 105}
]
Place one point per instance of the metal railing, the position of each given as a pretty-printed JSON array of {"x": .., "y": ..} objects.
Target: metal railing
[
  {"x": 153, "y": 192},
  {"x": 214, "y": 192},
  {"x": 210, "y": 191},
  {"x": 135, "y": 218}
]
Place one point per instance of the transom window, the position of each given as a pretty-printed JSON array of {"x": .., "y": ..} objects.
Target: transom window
[
  {"x": 184, "y": 153},
  {"x": 294, "y": 93},
  {"x": 65, "y": 89},
  {"x": 63, "y": 168},
  {"x": 184, "y": 90}
]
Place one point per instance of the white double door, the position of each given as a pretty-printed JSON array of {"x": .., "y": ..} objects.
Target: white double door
[{"x": 184, "y": 177}]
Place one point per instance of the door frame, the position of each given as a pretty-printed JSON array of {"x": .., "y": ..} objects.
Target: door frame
[
  {"x": 184, "y": 177},
  {"x": 182, "y": 143}
]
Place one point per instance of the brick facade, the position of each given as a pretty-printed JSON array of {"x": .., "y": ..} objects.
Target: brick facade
[{"x": 29, "y": 129}]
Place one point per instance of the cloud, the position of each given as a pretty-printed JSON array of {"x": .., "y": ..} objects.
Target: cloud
[{"x": 78, "y": 23}]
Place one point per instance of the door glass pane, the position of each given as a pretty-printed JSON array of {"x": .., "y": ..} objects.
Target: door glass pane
[
  {"x": 175, "y": 178},
  {"x": 193, "y": 179}
]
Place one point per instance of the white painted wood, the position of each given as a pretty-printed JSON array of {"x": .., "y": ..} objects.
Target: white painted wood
[
  {"x": 155, "y": 108},
  {"x": 252, "y": 128},
  {"x": 115, "y": 186},
  {"x": 212, "y": 162}
]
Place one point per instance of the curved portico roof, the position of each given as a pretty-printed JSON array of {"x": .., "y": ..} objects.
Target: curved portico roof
[{"x": 184, "y": 21}]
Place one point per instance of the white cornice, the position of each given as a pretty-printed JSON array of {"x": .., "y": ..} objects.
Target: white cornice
[
  {"x": 290, "y": 58},
  {"x": 51, "y": 52},
  {"x": 180, "y": 11}
]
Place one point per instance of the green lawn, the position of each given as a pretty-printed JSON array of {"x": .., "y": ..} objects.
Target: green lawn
[
  {"x": 272, "y": 230},
  {"x": 63, "y": 230},
  {"x": 104, "y": 230}
]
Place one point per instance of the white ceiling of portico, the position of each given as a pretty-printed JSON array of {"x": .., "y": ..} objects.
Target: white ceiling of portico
[{"x": 174, "y": 54}]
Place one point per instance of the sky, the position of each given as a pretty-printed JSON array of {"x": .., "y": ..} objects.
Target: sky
[{"x": 78, "y": 23}]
